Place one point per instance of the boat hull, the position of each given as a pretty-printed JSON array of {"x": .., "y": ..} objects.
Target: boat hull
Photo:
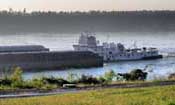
[
  {"x": 136, "y": 59},
  {"x": 152, "y": 57},
  {"x": 39, "y": 61}
]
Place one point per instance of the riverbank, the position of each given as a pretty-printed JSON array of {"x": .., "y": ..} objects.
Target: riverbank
[
  {"x": 13, "y": 86},
  {"x": 21, "y": 93},
  {"x": 15, "y": 81},
  {"x": 134, "y": 96}
]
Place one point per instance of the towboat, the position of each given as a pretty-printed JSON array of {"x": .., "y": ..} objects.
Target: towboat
[{"x": 114, "y": 51}]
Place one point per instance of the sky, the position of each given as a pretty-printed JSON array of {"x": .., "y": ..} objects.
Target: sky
[{"x": 86, "y": 5}]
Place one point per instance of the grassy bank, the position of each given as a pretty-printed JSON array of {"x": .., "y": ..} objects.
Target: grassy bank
[
  {"x": 136, "y": 96},
  {"x": 15, "y": 80}
]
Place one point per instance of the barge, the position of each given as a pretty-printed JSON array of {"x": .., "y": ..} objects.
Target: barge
[{"x": 40, "y": 58}]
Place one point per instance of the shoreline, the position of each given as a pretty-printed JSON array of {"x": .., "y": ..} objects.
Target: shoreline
[{"x": 22, "y": 93}]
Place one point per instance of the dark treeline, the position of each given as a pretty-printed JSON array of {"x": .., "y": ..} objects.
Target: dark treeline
[{"x": 99, "y": 21}]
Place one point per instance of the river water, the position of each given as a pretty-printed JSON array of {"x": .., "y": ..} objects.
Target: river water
[{"x": 165, "y": 42}]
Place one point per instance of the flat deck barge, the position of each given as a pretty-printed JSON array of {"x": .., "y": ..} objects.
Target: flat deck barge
[{"x": 48, "y": 60}]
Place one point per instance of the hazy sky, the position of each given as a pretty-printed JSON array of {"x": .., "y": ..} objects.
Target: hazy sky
[{"x": 85, "y": 5}]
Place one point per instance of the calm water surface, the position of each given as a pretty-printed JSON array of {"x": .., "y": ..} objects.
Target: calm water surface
[{"x": 160, "y": 67}]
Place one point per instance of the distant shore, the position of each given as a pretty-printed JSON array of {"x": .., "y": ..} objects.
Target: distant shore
[{"x": 75, "y": 22}]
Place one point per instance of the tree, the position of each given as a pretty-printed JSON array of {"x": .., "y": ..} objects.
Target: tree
[
  {"x": 16, "y": 77},
  {"x": 24, "y": 11}
]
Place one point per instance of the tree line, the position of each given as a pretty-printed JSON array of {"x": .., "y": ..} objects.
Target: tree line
[{"x": 100, "y": 21}]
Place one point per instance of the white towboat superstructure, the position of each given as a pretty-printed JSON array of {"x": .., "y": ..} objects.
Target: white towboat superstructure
[{"x": 114, "y": 52}]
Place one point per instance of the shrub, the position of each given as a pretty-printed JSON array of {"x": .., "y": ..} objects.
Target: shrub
[
  {"x": 171, "y": 76},
  {"x": 48, "y": 87},
  {"x": 36, "y": 83},
  {"x": 16, "y": 77},
  {"x": 126, "y": 76},
  {"x": 88, "y": 80},
  {"x": 6, "y": 72},
  {"x": 27, "y": 85},
  {"x": 56, "y": 81},
  {"x": 138, "y": 74},
  {"x": 134, "y": 75},
  {"x": 6, "y": 82},
  {"x": 102, "y": 80},
  {"x": 109, "y": 76},
  {"x": 72, "y": 77}
]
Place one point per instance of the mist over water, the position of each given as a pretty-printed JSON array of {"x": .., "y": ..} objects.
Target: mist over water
[{"x": 63, "y": 42}]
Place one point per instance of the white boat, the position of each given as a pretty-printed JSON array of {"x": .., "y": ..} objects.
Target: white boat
[{"x": 114, "y": 51}]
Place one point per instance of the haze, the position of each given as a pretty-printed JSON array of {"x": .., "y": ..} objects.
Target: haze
[{"x": 86, "y": 5}]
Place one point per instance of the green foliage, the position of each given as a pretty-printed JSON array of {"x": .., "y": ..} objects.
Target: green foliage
[
  {"x": 134, "y": 75},
  {"x": 88, "y": 80},
  {"x": 16, "y": 77},
  {"x": 102, "y": 80},
  {"x": 54, "y": 81},
  {"x": 109, "y": 76},
  {"x": 16, "y": 81},
  {"x": 72, "y": 77},
  {"x": 6, "y": 72},
  {"x": 37, "y": 83},
  {"x": 5, "y": 82}
]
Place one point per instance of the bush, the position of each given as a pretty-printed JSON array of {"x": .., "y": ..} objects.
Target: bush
[
  {"x": 56, "y": 81},
  {"x": 72, "y": 77},
  {"x": 134, "y": 75},
  {"x": 109, "y": 76},
  {"x": 171, "y": 76},
  {"x": 16, "y": 77},
  {"x": 36, "y": 83},
  {"x": 102, "y": 80},
  {"x": 6, "y": 82},
  {"x": 138, "y": 74},
  {"x": 88, "y": 80},
  {"x": 17, "y": 74},
  {"x": 27, "y": 85},
  {"x": 15, "y": 80},
  {"x": 5, "y": 72}
]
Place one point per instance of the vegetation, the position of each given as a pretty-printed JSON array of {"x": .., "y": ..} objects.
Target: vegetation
[
  {"x": 136, "y": 96},
  {"x": 100, "y": 21},
  {"x": 134, "y": 75},
  {"x": 171, "y": 76},
  {"x": 15, "y": 80}
]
